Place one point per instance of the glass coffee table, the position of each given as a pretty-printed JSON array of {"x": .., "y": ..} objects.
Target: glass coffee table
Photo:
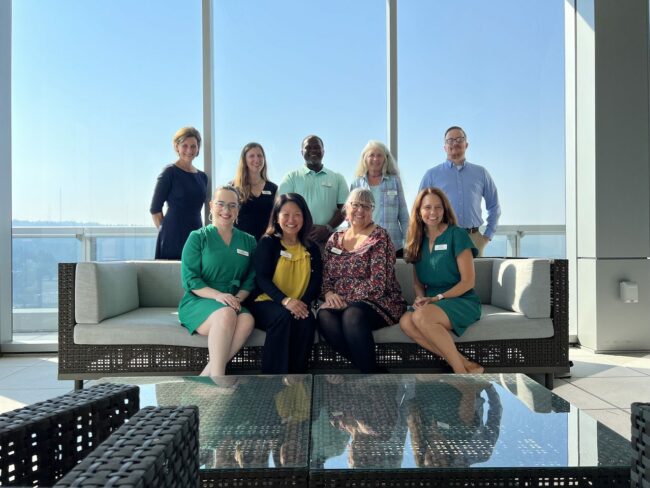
[{"x": 391, "y": 430}]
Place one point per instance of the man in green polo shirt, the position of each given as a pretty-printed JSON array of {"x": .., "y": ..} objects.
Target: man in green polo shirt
[{"x": 324, "y": 190}]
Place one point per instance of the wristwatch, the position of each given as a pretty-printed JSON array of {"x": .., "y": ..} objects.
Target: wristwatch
[
  {"x": 440, "y": 296},
  {"x": 330, "y": 229}
]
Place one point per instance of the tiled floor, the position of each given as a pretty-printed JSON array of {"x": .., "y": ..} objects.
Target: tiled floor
[{"x": 602, "y": 385}]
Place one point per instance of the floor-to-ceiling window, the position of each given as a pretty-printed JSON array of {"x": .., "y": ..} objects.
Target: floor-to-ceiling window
[
  {"x": 98, "y": 90},
  {"x": 497, "y": 69},
  {"x": 288, "y": 68}
]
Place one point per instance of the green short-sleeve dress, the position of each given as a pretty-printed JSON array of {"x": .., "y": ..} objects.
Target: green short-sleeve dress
[
  {"x": 438, "y": 272},
  {"x": 208, "y": 261}
]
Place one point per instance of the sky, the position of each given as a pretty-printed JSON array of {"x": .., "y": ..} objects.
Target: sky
[{"x": 99, "y": 88}]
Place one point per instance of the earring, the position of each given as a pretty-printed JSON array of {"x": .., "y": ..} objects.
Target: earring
[{"x": 210, "y": 216}]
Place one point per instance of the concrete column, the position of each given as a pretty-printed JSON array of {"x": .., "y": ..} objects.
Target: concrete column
[
  {"x": 608, "y": 180},
  {"x": 5, "y": 171}
]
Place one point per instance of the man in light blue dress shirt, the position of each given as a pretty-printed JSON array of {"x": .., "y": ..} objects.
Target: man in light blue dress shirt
[{"x": 466, "y": 184}]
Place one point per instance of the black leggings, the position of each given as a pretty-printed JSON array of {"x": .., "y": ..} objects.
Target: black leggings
[{"x": 349, "y": 332}]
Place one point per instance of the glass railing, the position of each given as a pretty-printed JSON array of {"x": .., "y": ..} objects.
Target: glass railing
[{"x": 38, "y": 250}]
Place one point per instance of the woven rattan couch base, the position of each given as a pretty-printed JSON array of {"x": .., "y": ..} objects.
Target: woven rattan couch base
[{"x": 87, "y": 361}]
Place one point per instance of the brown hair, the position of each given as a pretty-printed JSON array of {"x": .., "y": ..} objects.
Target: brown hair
[
  {"x": 241, "y": 180},
  {"x": 415, "y": 233},
  {"x": 185, "y": 132}
]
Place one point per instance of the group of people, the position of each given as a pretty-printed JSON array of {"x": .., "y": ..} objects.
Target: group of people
[{"x": 272, "y": 256}]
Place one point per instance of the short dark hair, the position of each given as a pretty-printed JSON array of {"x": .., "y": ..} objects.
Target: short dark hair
[
  {"x": 307, "y": 221},
  {"x": 312, "y": 136},
  {"x": 456, "y": 128}
]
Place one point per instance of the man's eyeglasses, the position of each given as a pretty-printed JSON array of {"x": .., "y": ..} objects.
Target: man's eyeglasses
[
  {"x": 452, "y": 140},
  {"x": 356, "y": 206},
  {"x": 230, "y": 206}
]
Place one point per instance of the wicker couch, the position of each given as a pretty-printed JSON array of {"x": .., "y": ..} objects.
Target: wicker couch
[{"x": 120, "y": 319}]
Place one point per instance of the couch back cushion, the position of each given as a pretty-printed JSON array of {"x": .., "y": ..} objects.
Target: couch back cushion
[
  {"x": 483, "y": 279},
  {"x": 522, "y": 285},
  {"x": 104, "y": 290},
  {"x": 159, "y": 283},
  {"x": 482, "y": 286}
]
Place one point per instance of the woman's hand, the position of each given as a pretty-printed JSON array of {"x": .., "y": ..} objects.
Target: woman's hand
[
  {"x": 298, "y": 308},
  {"x": 421, "y": 302},
  {"x": 333, "y": 300},
  {"x": 229, "y": 300}
]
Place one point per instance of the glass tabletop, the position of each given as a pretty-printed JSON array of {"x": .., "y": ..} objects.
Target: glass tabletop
[
  {"x": 453, "y": 421},
  {"x": 245, "y": 422}
]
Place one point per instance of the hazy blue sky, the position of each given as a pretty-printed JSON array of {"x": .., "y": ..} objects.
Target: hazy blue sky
[{"x": 99, "y": 88}]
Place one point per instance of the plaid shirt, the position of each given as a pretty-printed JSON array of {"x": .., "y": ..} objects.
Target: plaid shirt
[{"x": 390, "y": 211}]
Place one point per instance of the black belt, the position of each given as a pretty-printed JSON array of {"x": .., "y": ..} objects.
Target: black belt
[{"x": 472, "y": 230}]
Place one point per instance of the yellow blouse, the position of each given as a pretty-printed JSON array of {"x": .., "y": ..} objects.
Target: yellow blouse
[{"x": 292, "y": 272}]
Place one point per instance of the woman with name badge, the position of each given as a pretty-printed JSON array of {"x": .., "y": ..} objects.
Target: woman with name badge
[
  {"x": 288, "y": 270},
  {"x": 257, "y": 192},
  {"x": 217, "y": 275},
  {"x": 443, "y": 277},
  {"x": 359, "y": 284},
  {"x": 377, "y": 171}
]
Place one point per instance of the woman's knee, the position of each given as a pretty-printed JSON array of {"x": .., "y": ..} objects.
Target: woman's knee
[
  {"x": 245, "y": 320},
  {"x": 406, "y": 323}
]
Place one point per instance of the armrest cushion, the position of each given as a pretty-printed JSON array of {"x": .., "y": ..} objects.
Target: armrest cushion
[
  {"x": 104, "y": 290},
  {"x": 522, "y": 285}
]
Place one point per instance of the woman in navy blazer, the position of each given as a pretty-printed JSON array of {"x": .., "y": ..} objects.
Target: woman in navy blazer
[{"x": 289, "y": 273}]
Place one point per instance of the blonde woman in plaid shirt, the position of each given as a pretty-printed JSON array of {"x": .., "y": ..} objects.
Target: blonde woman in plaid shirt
[{"x": 377, "y": 171}]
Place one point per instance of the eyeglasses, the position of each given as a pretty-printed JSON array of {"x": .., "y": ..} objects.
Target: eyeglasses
[
  {"x": 451, "y": 140},
  {"x": 356, "y": 206},
  {"x": 230, "y": 206}
]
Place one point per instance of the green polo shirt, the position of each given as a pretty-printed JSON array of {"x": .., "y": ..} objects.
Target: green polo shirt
[{"x": 323, "y": 191}]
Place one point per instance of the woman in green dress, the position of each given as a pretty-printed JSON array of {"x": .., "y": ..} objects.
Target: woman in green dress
[
  {"x": 443, "y": 277},
  {"x": 217, "y": 275}
]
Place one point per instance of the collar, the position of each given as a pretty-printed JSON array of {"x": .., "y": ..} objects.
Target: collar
[
  {"x": 450, "y": 164},
  {"x": 306, "y": 170}
]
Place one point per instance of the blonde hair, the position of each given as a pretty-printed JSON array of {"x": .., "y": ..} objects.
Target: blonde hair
[
  {"x": 390, "y": 165},
  {"x": 241, "y": 180},
  {"x": 415, "y": 233},
  {"x": 185, "y": 132}
]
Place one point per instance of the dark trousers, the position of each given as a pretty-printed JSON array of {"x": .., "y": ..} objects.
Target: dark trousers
[
  {"x": 288, "y": 340},
  {"x": 349, "y": 332}
]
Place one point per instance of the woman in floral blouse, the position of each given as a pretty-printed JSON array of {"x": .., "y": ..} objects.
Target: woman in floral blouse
[{"x": 359, "y": 284}]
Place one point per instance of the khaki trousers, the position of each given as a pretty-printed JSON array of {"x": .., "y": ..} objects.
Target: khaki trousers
[{"x": 479, "y": 242}]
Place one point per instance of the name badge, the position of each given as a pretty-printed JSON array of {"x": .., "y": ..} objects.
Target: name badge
[
  {"x": 267, "y": 192},
  {"x": 336, "y": 250},
  {"x": 391, "y": 193},
  {"x": 440, "y": 247},
  {"x": 241, "y": 252},
  {"x": 327, "y": 185},
  {"x": 285, "y": 254}
]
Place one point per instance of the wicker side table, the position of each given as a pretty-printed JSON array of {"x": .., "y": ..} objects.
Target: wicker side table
[
  {"x": 41, "y": 442},
  {"x": 157, "y": 448},
  {"x": 640, "y": 473}
]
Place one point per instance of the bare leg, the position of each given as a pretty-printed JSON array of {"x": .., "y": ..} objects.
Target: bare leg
[
  {"x": 243, "y": 329},
  {"x": 409, "y": 328},
  {"x": 413, "y": 331},
  {"x": 220, "y": 328},
  {"x": 432, "y": 322}
]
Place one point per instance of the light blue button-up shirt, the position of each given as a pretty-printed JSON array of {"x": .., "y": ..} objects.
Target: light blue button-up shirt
[{"x": 466, "y": 185}]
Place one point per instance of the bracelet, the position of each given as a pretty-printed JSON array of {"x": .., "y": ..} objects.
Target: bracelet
[
  {"x": 286, "y": 301},
  {"x": 440, "y": 296},
  {"x": 330, "y": 229}
]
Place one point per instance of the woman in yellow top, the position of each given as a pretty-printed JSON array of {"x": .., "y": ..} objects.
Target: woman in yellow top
[{"x": 288, "y": 270}]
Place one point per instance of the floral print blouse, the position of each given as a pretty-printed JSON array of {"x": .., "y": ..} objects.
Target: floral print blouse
[{"x": 365, "y": 274}]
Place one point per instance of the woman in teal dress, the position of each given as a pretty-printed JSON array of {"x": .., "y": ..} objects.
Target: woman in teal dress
[
  {"x": 443, "y": 276},
  {"x": 217, "y": 275}
]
